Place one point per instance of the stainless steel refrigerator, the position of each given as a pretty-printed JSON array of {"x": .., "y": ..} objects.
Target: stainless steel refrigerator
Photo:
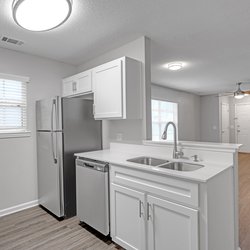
[{"x": 64, "y": 126}]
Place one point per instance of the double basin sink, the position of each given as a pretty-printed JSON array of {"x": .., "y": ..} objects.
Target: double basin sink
[{"x": 160, "y": 163}]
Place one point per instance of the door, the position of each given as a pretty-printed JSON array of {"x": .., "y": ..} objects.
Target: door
[
  {"x": 225, "y": 123},
  {"x": 48, "y": 114},
  {"x": 127, "y": 217},
  {"x": 84, "y": 82},
  {"x": 242, "y": 125},
  {"x": 107, "y": 80},
  {"x": 171, "y": 226},
  {"x": 69, "y": 86},
  {"x": 50, "y": 186}
]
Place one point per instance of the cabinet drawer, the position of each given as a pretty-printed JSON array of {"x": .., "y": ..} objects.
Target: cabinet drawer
[{"x": 173, "y": 189}]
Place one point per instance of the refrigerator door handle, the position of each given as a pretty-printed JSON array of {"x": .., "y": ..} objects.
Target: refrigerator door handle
[
  {"x": 53, "y": 148},
  {"x": 52, "y": 114},
  {"x": 52, "y": 131}
]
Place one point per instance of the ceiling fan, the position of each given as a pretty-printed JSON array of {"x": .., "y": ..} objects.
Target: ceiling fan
[{"x": 239, "y": 93}]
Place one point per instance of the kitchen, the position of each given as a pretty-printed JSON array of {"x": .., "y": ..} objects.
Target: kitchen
[{"x": 20, "y": 177}]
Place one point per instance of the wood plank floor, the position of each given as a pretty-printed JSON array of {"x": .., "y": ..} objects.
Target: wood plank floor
[
  {"x": 244, "y": 200},
  {"x": 36, "y": 229}
]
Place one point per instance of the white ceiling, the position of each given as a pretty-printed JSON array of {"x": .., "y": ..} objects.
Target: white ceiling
[{"x": 212, "y": 36}]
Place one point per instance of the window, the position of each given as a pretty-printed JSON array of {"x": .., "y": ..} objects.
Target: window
[
  {"x": 163, "y": 112},
  {"x": 13, "y": 105}
]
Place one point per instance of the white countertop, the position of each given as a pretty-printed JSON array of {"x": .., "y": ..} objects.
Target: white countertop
[{"x": 117, "y": 157}]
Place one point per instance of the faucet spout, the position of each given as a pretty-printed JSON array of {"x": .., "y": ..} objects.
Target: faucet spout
[{"x": 176, "y": 154}]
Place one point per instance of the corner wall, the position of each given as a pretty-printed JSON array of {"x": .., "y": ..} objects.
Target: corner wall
[
  {"x": 131, "y": 130},
  {"x": 18, "y": 167}
]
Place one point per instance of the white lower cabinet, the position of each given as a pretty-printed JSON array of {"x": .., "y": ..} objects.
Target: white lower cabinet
[
  {"x": 142, "y": 221},
  {"x": 171, "y": 226},
  {"x": 127, "y": 222}
]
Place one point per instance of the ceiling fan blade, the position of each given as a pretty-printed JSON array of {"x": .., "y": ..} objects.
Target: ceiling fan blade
[{"x": 247, "y": 92}]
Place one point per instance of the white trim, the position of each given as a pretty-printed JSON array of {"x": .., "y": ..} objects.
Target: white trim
[
  {"x": 18, "y": 208},
  {"x": 210, "y": 146},
  {"x": 6, "y": 135},
  {"x": 15, "y": 77}
]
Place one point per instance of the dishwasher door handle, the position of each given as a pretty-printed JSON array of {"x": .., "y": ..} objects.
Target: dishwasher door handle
[{"x": 103, "y": 167}]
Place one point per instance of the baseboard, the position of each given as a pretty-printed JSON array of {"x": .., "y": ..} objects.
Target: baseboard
[{"x": 18, "y": 208}]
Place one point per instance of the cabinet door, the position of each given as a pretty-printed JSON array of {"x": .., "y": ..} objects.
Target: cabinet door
[
  {"x": 84, "y": 82},
  {"x": 108, "y": 90},
  {"x": 171, "y": 226},
  {"x": 127, "y": 217},
  {"x": 69, "y": 87}
]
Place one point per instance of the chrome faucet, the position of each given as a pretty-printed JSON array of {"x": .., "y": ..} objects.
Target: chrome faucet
[{"x": 176, "y": 154}]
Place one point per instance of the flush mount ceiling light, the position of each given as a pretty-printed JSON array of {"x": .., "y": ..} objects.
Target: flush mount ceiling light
[
  {"x": 41, "y": 15},
  {"x": 175, "y": 66}
]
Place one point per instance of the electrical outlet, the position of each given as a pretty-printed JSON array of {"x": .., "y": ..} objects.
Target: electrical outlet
[{"x": 119, "y": 136}]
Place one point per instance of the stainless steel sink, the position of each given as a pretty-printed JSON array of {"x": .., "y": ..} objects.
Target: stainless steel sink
[
  {"x": 181, "y": 166},
  {"x": 148, "y": 161}
]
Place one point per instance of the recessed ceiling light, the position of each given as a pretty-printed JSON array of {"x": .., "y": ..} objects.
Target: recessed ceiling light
[
  {"x": 175, "y": 65},
  {"x": 41, "y": 15}
]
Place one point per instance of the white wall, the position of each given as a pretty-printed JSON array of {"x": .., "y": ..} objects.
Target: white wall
[
  {"x": 132, "y": 130},
  {"x": 210, "y": 118},
  {"x": 188, "y": 110},
  {"x": 18, "y": 169}
]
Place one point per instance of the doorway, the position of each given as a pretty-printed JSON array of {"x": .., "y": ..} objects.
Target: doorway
[{"x": 242, "y": 126}]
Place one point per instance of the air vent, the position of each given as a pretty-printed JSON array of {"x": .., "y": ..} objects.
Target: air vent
[{"x": 11, "y": 40}]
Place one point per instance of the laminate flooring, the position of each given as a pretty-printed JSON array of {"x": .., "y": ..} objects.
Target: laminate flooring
[
  {"x": 244, "y": 200},
  {"x": 34, "y": 228}
]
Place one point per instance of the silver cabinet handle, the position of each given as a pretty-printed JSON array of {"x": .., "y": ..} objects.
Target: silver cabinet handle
[
  {"x": 93, "y": 109},
  {"x": 140, "y": 209},
  {"x": 74, "y": 86},
  {"x": 148, "y": 214}
]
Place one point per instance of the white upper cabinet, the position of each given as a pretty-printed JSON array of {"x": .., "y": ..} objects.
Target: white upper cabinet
[
  {"x": 78, "y": 84},
  {"x": 117, "y": 89}
]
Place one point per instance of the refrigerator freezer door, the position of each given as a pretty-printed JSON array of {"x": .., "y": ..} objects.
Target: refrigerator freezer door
[
  {"x": 50, "y": 182},
  {"x": 48, "y": 113},
  {"x": 81, "y": 133}
]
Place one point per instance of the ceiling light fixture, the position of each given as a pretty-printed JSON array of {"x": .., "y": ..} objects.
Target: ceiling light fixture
[
  {"x": 175, "y": 66},
  {"x": 41, "y": 15}
]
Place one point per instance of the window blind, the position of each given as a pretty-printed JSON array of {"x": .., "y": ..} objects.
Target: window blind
[{"x": 13, "y": 106}]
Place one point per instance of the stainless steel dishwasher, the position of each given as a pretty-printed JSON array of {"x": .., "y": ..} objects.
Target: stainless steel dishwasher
[{"x": 92, "y": 193}]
